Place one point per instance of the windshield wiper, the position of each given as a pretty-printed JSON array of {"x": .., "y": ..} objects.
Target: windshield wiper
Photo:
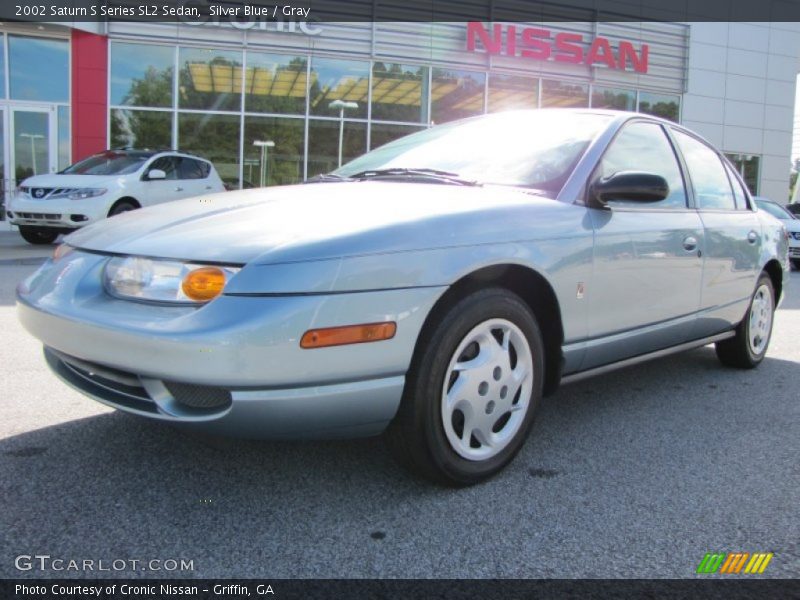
[
  {"x": 443, "y": 176},
  {"x": 325, "y": 177}
]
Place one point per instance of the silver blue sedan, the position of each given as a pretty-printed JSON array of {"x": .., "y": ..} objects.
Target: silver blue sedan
[{"x": 433, "y": 289}]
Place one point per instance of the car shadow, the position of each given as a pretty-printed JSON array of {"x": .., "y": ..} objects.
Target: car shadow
[{"x": 112, "y": 480}]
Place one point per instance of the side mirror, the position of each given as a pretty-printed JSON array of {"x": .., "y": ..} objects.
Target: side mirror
[
  {"x": 156, "y": 174},
  {"x": 635, "y": 186}
]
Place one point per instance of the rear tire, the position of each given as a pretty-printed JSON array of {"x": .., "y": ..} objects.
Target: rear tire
[
  {"x": 38, "y": 235},
  {"x": 472, "y": 391},
  {"x": 749, "y": 346}
]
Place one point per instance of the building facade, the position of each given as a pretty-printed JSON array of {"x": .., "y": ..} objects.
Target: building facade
[{"x": 215, "y": 89}]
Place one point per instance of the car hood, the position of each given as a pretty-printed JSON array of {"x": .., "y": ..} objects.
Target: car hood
[
  {"x": 313, "y": 221},
  {"x": 56, "y": 180}
]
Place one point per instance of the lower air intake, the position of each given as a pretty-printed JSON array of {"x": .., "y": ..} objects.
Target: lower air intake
[{"x": 199, "y": 396}]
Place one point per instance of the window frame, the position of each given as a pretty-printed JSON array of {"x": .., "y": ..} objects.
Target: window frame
[{"x": 645, "y": 206}]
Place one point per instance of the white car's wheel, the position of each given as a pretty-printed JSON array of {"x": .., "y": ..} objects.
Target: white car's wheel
[{"x": 472, "y": 391}]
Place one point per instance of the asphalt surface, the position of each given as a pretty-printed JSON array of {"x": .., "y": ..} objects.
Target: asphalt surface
[{"x": 634, "y": 474}]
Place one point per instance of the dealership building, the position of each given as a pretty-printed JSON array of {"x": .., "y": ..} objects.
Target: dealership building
[{"x": 216, "y": 88}]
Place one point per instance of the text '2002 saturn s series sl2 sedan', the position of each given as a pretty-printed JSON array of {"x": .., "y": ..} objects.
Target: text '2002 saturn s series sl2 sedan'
[{"x": 434, "y": 288}]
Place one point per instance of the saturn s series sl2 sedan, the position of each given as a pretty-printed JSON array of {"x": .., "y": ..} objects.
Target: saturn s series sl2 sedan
[{"x": 433, "y": 289}]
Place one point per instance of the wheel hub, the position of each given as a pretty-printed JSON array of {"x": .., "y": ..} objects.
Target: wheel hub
[{"x": 487, "y": 389}]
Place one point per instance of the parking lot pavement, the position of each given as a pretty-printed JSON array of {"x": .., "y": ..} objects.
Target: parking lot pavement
[
  {"x": 634, "y": 474},
  {"x": 16, "y": 251}
]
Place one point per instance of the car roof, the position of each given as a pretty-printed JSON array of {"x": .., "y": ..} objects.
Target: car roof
[{"x": 147, "y": 152}]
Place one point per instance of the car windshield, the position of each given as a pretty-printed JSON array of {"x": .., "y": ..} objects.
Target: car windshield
[
  {"x": 536, "y": 149},
  {"x": 108, "y": 163},
  {"x": 775, "y": 210}
]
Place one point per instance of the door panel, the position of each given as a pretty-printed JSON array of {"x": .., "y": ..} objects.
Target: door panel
[
  {"x": 646, "y": 285},
  {"x": 645, "y": 291}
]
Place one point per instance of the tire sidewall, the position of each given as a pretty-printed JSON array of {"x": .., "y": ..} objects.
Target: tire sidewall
[
  {"x": 764, "y": 279},
  {"x": 462, "y": 318}
]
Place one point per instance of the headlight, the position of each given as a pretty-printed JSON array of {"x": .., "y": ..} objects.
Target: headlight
[
  {"x": 147, "y": 279},
  {"x": 84, "y": 193}
]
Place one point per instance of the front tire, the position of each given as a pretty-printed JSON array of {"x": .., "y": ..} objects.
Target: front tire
[
  {"x": 748, "y": 347},
  {"x": 37, "y": 235},
  {"x": 472, "y": 391},
  {"x": 796, "y": 264},
  {"x": 122, "y": 206}
]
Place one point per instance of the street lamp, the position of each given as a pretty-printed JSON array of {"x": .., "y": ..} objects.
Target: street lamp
[
  {"x": 342, "y": 105},
  {"x": 263, "y": 144},
  {"x": 33, "y": 137}
]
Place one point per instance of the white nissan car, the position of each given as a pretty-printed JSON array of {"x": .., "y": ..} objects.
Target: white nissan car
[{"x": 103, "y": 185}]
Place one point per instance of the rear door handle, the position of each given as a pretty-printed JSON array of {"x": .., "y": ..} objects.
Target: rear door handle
[
  {"x": 752, "y": 237},
  {"x": 690, "y": 243}
]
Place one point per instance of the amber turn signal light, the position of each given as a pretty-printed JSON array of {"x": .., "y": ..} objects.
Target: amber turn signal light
[
  {"x": 351, "y": 334},
  {"x": 203, "y": 284}
]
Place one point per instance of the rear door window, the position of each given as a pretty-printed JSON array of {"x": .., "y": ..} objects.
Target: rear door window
[
  {"x": 712, "y": 188},
  {"x": 193, "y": 169}
]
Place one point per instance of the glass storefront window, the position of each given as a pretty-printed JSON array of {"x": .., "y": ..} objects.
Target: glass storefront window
[
  {"x": 456, "y": 94},
  {"x": 141, "y": 128},
  {"x": 323, "y": 144},
  {"x": 2, "y": 69},
  {"x": 564, "y": 94},
  {"x": 747, "y": 165},
  {"x": 210, "y": 79},
  {"x": 344, "y": 80},
  {"x": 275, "y": 83},
  {"x": 284, "y": 160},
  {"x": 660, "y": 105},
  {"x": 397, "y": 92},
  {"x": 613, "y": 98},
  {"x": 213, "y": 137},
  {"x": 64, "y": 140},
  {"x": 38, "y": 69},
  {"x": 383, "y": 133},
  {"x": 31, "y": 143},
  {"x": 509, "y": 92},
  {"x": 141, "y": 74}
]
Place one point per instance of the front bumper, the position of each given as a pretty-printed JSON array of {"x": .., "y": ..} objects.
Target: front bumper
[
  {"x": 247, "y": 347},
  {"x": 61, "y": 213}
]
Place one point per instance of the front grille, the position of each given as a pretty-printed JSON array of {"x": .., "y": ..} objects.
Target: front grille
[
  {"x": 40, "y": 216},
  {"x": 199, "y": 396}
]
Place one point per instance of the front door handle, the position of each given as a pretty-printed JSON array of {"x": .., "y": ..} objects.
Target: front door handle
[
  {"x": 752, "y": 237},
  {"x": 690, "y": 243},
  {"x": 179, "y": 189}
]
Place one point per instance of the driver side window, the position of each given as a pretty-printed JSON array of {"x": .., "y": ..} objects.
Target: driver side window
[
  {"x": 643, "y": 146},
  {"x": 168, "y": 164}
]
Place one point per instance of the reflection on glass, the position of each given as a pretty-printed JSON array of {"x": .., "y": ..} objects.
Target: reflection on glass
[
  {"x": 284, "y": 160},
  {"x": 397, "y": 92},
  {"x": 456, "y": 94},
  {"x": 141, "y": 129},
  {"x": 31, "y": 143},
  {"x": 660, "y": 105},
  {"x": 323, "y": 144},
  {"x": 213, "y": 137},
  {"x": 383, "y": 133},
  {"x": 564, "y": 94},
  {"x": 63, "y": 137},
  {"x": 509, "y": 92},
  {"x": 712, "y": 189},
  {"x": 645, "y": 147},
  {"x": 210, "y": 79},
  {"x": 38, "y": 69},
  {"x": 747, "y": 166},
  {"x": 613, "y": 98},
  {"x": 141, "y": 74},
  {"x": 2, "y": 71},
  {"x": 3, "y": 183},
  {"x": 275, "y": 83},
  {"x": 333, "y": 79}
]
